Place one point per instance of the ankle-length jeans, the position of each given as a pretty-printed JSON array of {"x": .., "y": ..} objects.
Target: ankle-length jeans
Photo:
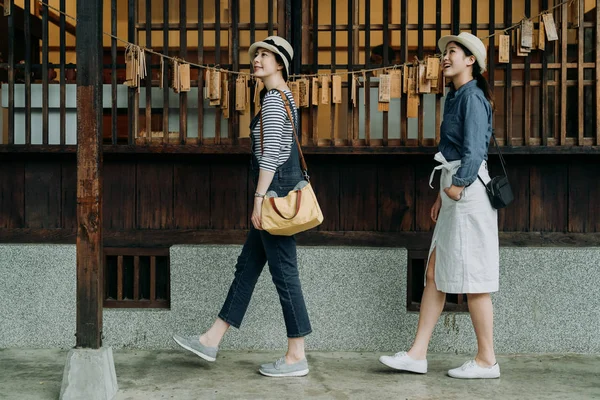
[{"x": 280, "y": 252}]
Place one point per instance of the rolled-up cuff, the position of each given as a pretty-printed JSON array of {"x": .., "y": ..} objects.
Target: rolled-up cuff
[
  {"x": 457, "y": 181},
  {"x": 270, "y": 166}
]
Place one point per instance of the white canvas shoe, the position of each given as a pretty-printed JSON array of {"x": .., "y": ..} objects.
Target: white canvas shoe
[
  {"x": 403, "y": 362},
  {"x": 471, "y": 370}
]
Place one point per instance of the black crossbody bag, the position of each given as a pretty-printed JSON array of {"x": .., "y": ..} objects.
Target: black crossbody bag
[{"x": 498, "y": 188}]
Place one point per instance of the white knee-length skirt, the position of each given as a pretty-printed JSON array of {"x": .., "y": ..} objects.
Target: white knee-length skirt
[{"x": 466, "y": 236}]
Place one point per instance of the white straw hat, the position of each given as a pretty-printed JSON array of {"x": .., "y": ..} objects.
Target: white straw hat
[
  {"x": 471, "y": 42},
  {"x": 277, "y": 45}
]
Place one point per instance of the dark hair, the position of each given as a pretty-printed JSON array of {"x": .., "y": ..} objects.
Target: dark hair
[
  {"x": 279, "y": 60},
  {"x": 482, "y": 83}
]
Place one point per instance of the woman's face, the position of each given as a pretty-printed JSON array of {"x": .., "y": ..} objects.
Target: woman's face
[
  {"x": 265, "y": 64},
  {"x": 455, "y": 61}
]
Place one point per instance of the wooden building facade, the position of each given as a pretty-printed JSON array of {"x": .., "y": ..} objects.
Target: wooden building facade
[{"x": 173, "y": 184}]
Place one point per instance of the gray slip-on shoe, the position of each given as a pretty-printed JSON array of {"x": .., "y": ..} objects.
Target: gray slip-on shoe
[
  {"x": 192, "y": 343},
  {"x": 280, "y": 369}
]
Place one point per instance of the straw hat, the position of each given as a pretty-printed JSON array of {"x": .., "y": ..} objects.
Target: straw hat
[
  {"x": 277, "y": 45},
  {"x": 471, "y": 42}
]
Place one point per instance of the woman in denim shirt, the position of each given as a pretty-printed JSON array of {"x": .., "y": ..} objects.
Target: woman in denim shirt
[{"x": 463, "y": 257}]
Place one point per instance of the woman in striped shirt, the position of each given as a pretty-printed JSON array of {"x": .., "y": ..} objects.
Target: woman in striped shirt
[{"x": 276, "y": 168}]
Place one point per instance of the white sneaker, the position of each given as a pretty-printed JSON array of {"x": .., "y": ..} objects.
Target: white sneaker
[
  {"x": 471, "y": 370},
  {"x": 403, "y": 362}
]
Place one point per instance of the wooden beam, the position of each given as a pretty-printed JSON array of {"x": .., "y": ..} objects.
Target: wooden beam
[
  {"x": 11, "y": 77},
  {"x": 245, "y": 149},
  {"x": 89, "y": 179},
  {"x": 170, "y": 237},
  {"x": 563, "y": 73},
  {"x": 133, "y": 97},
  {"x": 597, "y": 73},
  {"x": 183, "y": 99}
]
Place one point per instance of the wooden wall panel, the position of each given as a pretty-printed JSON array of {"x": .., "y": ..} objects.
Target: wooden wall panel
[
  {"x": 358, "y": 196},
  {"x": 325, "y": 180},
  {"x": 12, "y": 195},
  {"x": 229, "y": 196},
  {"x": 548, "y": 198},
  {"x": 584, "y": 197},
  {"x": 191, "y": 190},
  {"x": 69, "y": 195},
  {"x": 42, "y": 195},
  {"x": 154, "y": 195},
  {"x": 396, "y": 207},
  {"x": 425, "y": 196},
  {"x": 384, "y": 194},
  {"x": 119, "y": 185},
  {"x": 515, "y": 217}
]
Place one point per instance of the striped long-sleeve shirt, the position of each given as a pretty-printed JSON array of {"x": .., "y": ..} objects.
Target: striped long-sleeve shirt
[{"x": 277, "y": 132}]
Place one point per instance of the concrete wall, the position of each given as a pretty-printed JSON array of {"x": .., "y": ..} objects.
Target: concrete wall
[{"x": 356, "y": 300}]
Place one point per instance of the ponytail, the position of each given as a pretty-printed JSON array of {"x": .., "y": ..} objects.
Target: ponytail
[{"x": 483, "y": 84}]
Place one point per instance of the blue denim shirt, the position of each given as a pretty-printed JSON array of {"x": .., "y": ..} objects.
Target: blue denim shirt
[{"x": 466, "y": 131}]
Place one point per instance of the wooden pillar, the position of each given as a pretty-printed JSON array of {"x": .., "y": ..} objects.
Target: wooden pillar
[
  {"x": 455, "y": 28},
  {"x": 89, "y": 180}
]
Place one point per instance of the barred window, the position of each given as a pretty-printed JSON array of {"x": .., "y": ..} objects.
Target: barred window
[
  {"x": 137, "y": 278},
  {"x": 417, "y": 260}
]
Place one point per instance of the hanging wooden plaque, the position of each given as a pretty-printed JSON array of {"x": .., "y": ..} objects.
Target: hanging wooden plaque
[
  {"x": 574, "y": 6},
  {"x": 207, "y": 74},
  {"x": 215, "y": 85},
  {"x": 550, "y": 27},
  {"x": 304, "y": 92},
  {"x": 526, "y": 34},
  {"x": 257, "y": 89},
  {"x": 521, "y": 51},
  {"x": 541, "y": 36},
  {"x": 395, "y": 84},
  {"x": 413, "y": 101},
  {"x": 315, "y": 91},
  {"x": 184, "y": 78},
  {"x": 433, "y": 67},
  {"x": 325, "y": 90},
  {"x": 336, "y": 85},
  {"x": 295, "y": 91},
  {"x": 424, "y": 83},
  {"x": 240, "y": 93},
  {"x": 384, "y": 88},
  {"x": 225, "y": 98},
  {"x": 504, "y": 51}
]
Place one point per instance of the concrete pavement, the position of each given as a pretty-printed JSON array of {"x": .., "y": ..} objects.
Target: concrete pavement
[{"x": 168, "y": 374}]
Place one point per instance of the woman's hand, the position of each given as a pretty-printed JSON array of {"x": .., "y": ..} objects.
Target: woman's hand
[
  {"x": 454, "y": 192},
  {"x": 257, "y": 213},
  {"x": 435, "y": 209}
]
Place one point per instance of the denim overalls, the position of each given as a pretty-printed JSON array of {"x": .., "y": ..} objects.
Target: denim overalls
[{"x": 279, "y": 251}]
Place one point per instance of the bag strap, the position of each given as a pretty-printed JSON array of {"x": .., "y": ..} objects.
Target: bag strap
[
  {"x": 298, "y": 201},
  {"x": 286, "y": 104},
  {"x": 501, "y": 162},
  {"x": 500, "y": 154}
]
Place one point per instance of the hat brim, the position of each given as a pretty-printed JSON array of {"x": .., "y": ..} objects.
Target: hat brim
[
  {"x": 443, "y": 42},
  {"x": 271, "y": 48}
]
